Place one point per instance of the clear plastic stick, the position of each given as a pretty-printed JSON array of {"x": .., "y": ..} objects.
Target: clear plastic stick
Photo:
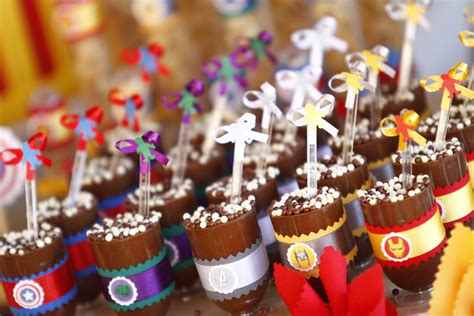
[
  {"x": 31, "y": 211},
  {"x": 374, "y": 108},
  {"x": 443, "y": 123},
  {"x": 237, "y": 169},
  {"x": 407, "y": 168},
  {"x": 463, "y": 107},
  {"x": 407, "y": 56},
  {"x": 214, "y": 123},
  {"x": 144, "y": 188},
  {"x": 114, "y": 160},
  {"x": 312, "y": 160},
  {"x": 77, "y": 175},
  {"x": 265, "y": 148},
  {"x": 349, "y": 129},
  {"x": 182, "y": 156}
]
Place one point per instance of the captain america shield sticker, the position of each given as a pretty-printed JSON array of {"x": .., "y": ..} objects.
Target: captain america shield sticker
[{"x": 28, "y": 294}]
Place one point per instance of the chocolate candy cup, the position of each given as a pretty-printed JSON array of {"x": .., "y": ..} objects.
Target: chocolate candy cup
[
  {"x": 417, "y": 277},
  {"x": 128, "y": 252},
  {"x": 222, "y": 241},
  {"x": 34, "y": 262}
]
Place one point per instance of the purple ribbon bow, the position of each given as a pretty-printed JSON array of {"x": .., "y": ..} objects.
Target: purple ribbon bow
[
  {"x": 145, "y": 146},
  {"x": 186, "y": 99}
]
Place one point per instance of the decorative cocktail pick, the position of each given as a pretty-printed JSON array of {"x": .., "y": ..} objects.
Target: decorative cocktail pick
[
  {"x": 450, "y": 85},
  {"x": 148, "y": 58},
  {"x": 467, "y": 39},
  {"x": 353, "y": 83},
  {"x": 240, "y": 133},
  {"x": 131, "y": 105},
  {"x": 146, "y": 147},
  {"x": 187, "y": 101},
  {"x": 227, "y": 73},
  {"x": 413, "y": 13},
  {"x": 375, "y": 61},
  {"x": 404, "y": 126},
  {"x": 257, "y": 48},
  {"x": 264, "y": 100},
  {"x": 30, "y": 155},
  {"x": 86, "y": 127},
  {"x": 312, "y": 115},
  {"x": 319, "y": 39},
  {"x": 302, "y": 83}
]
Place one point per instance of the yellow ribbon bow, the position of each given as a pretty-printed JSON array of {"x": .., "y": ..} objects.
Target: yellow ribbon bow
[
  {"x": 414, "y": 12},
  {"x": 467, "y": 37},
  {"x": 375, "y": 62},
  {"x": 449, "y": 84},
  {"x": 405, "y": 125}
]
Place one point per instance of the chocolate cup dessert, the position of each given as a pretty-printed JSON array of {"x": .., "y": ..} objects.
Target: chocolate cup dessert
[
  {"x": 229, "y": 254},
  {"x": 449, "y": 176},
  {"x": 136, "y": 275},
  {"x": 303, "y": 228},
  {"x": 172, "y": 204},
  {"x": 347, "y": 180},
  {"x": 110, "y": 187},
  {"x": 396, "y": 220},
  {"x": 22, "y": 262},
  {"x": 374, "y": 147},
  {"x": 74, "y": 223}
]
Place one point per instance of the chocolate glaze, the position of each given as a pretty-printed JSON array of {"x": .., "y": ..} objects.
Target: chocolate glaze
[
  {"x": 172, "y": 214},
  {"x": 34, "y": 262},
  {"x": 373, "y": 150},
  {"x": 222, "y": 241},
  {"x": 389, "y": 214},
  {"x": 88, "y": 287},
  {"x": 130, "y": 251},
  {"x": 213, "y": 169},
  {"x": 119, "y": 184}
]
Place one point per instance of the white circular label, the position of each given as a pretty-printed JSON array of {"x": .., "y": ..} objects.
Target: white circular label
[
  {"x": 173, "y": 252},
  {"x": 123, "y": 291},
  {"x": 223, "y": 280},
  {"x": 302, "y": 257},
  {"x": 230, "y": 7},
  {"x": 28, "y": 294}
]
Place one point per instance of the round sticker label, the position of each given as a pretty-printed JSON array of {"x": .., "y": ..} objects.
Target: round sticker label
[
  {"x": 396, "y": 247},
  {"x": 173, "y": 252},
  {"x": 28, "y": 294},
  {"x": 223, "y": 280},
  {"x": 302, "y": 257},
  {"x": 123, "y": 291}
]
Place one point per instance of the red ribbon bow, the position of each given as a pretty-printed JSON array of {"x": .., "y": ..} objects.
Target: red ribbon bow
[
  {"x": 450, "y": 85},
  {"x": 29, "y": 154},
  {"x": 148, "y": 58},
  {"x": 131, "y": 104},
  {"x": 403, "y": 129},
  {"x": 86, "y": 126}
]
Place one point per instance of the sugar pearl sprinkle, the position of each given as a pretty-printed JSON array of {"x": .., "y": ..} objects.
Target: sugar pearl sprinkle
[
  {"x": 332, "y": 167},
  {"x": 250, "y": 182},
  {"x": 194, "y": 155},
  {"x": 297, "y": 202},
  {"x": 18, "y": 242},
  {"x": 123, "y": 226},
  {"x": 98, "y": 169},
  {"x": 159, "y": 195},
  {"x": 430, "y": 124},
  {"x": 218, "y": 214},
  {"x": 52, "y": 207},
  {"x": 392, "y": 190},
  {"x": 362, "y": 135},
  {"x": 428, "y": 153},
  {"x": 278, "y": 151}
]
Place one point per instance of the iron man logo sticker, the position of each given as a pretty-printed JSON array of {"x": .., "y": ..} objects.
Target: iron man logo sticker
[{"x": 396, "y": 247}]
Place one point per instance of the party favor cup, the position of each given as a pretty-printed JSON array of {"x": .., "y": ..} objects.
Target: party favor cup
[
  {"x": 347, "y": 179},
  {"x": 136, "y": 276},
  {"x": 229, "y": 255},
  {"x": 74, "y": 223},
  {"x": 405, "y": 230},
  {"x": 172, "y": 204},
  {"x": 37, "y": 276},
  {"x": 303, "y": 228},
  {"x": 450, "y": 179},
  {"x": 109, "y": 184}
]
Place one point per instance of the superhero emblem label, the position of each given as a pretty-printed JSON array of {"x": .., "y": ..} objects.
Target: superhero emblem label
[
  {"x": 223, "y": 280},
  {"x": 173, "y": 252},
  {"x": 123, "y": 291},
  {"x": 302, "y": 257},
  {"x": 28, "y": 294},
  {"x": 396, "y": 247}
]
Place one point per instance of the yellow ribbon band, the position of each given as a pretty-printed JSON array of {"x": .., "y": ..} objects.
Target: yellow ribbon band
[{"x": 458, "y": 204}]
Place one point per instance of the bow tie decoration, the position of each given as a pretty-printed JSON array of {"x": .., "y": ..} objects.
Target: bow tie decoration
[
  {"x": 131, "y": 105},
  {"x": 146, "y": 147},
  {"x": 148, "y": 58},
  {"x": 30, "y": 155},
  {"x": 319, "y": 40},
  {"x": 186, "y": 100},
  {"x": 240, "y": 133},
  {"x": 312, "y": 115},
  {"x": 85, "y": 126},
  {"x": 257, "y": 48},
  {"x": 450, "y": 85},
  {"x": 301, "y": 82},
  {"x": 413, "y": 13}
]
